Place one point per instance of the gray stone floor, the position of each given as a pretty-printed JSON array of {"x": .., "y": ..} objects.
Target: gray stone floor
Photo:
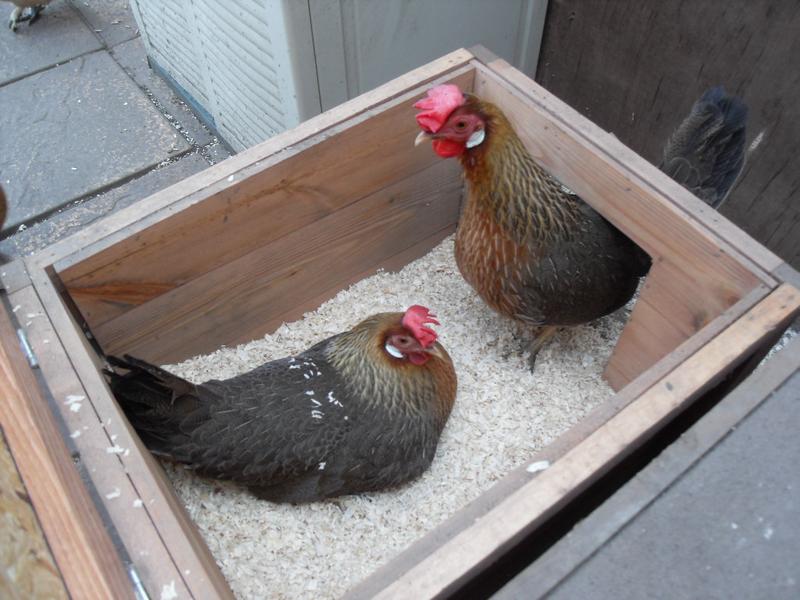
[{"x": 86, "y": 128}]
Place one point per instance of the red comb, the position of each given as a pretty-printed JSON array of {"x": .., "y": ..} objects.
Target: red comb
[
  {"x": 437, "y": 106},
  {"x": 416, "y": 320}
]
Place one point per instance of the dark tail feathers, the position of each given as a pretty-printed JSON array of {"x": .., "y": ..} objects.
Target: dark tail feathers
[
  {"x": 158, "y": 404},
  {"x": 705, "y": 154}
]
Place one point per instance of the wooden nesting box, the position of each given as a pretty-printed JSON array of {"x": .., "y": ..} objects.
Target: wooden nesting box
[{"x": 229, "y": 254}]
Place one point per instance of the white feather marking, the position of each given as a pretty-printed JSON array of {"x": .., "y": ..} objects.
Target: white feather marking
[
  {"x": 476, "y": 139},
  {"x": 393, "y": 351},
  {"x": 168, "y": 591},
  {"x": 537, "y": 466}
]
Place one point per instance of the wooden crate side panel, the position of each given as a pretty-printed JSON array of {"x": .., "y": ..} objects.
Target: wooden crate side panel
[
  {"x": 661, "y": 319},
  {"x": 240, "y": 300},
  {"x": 699, "y": 274},
  {"x": 293, "y": 189},
  {"x": 391, "y": 264},
  {"x": 159, "y": 537},
  {"x": 82, "y": 549},
  {"x": 462, "y": 557},
  {"x": 91, "y": 436}
]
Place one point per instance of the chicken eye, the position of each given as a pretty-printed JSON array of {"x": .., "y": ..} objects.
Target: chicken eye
[{"x": 403, "y": 341}]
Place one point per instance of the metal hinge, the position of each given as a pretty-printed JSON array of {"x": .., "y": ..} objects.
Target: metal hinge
[
  {"x": 26, "y": 348},
  {"x": 138, "y": 587}
]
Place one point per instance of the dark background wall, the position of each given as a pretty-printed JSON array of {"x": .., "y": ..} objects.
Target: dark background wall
[{"x": 635, "y": 67}]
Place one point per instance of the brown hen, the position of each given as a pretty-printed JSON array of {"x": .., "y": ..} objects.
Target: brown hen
[
  {"x": 358, "y": 412},
  {"x": 534, "y": 251}
]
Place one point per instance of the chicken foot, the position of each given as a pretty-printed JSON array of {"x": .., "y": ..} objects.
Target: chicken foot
[{"x": 540, "y": 339}]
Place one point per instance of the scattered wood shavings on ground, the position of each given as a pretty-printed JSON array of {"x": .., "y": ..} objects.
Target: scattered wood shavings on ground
[
  {"x": 74, "y": 402},
  {"x": 503, "y": 414},
  {"x": 168, "y": 591},
  {"x": 784, "y": 340}
]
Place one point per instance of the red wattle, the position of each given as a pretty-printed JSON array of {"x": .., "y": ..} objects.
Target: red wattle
[
  {"x": 448, "y": 148},
  {"x": 418, "y": 358}
]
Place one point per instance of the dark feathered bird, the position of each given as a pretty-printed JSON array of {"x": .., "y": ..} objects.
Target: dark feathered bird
[
  {"x": 25, "y": 10},
  {"x": 706, "y": 152},
  {"x": 357, "y": 412},
  {"x": 536, "y": 252}
]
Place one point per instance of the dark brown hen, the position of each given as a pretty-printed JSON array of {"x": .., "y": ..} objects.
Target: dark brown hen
[
  {"x": 536, "y": 252},
  {"x": 357, "y": 412}
]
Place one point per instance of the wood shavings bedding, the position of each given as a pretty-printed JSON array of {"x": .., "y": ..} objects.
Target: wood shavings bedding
[{"x": 502, "y": 415}]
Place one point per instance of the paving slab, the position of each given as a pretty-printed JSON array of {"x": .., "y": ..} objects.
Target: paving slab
[
  {"x": 75, "y": 130},
  {"x": 217, "y": 152},
  {"x": 56, "y": 37},
  {"x": 132, "y": 57},
  {"x": 729, "y": 528},
  {"x": 112, "y": 20},
  {"x": 74, "y": 218}
]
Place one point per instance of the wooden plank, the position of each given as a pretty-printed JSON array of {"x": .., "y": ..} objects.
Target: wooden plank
[
  {"x": 661, "y": 319},
  {"x": 391, "y": 264},
  {"x": 701, "y": 272},
  {"x": 452, "y": 564},
  {"x": 93, "y": 436},
  {"x": 82, "y": 548},
  {"x": 250, "y": 296},
  {"x": 634, "y": 67},
  {"x": 187, "y": 563},
  {"x": 465, "y": 517},
  {"x": 27, "y": 568},
  {"x": 14, "y": 276}
]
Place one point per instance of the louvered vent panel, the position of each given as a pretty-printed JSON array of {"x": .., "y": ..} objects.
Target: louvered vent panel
[
  {"x": 173, "y": 41},
  {"x": 232, "y": 57},
  {"x": 243, "y": 73}
]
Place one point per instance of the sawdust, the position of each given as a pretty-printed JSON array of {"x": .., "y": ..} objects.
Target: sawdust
[{"x": 503, "y": 414}]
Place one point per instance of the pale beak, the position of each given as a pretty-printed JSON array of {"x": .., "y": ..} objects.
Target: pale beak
[
  {"x": 423, "y": 136},
  {"x": 435, "y": 351}
]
